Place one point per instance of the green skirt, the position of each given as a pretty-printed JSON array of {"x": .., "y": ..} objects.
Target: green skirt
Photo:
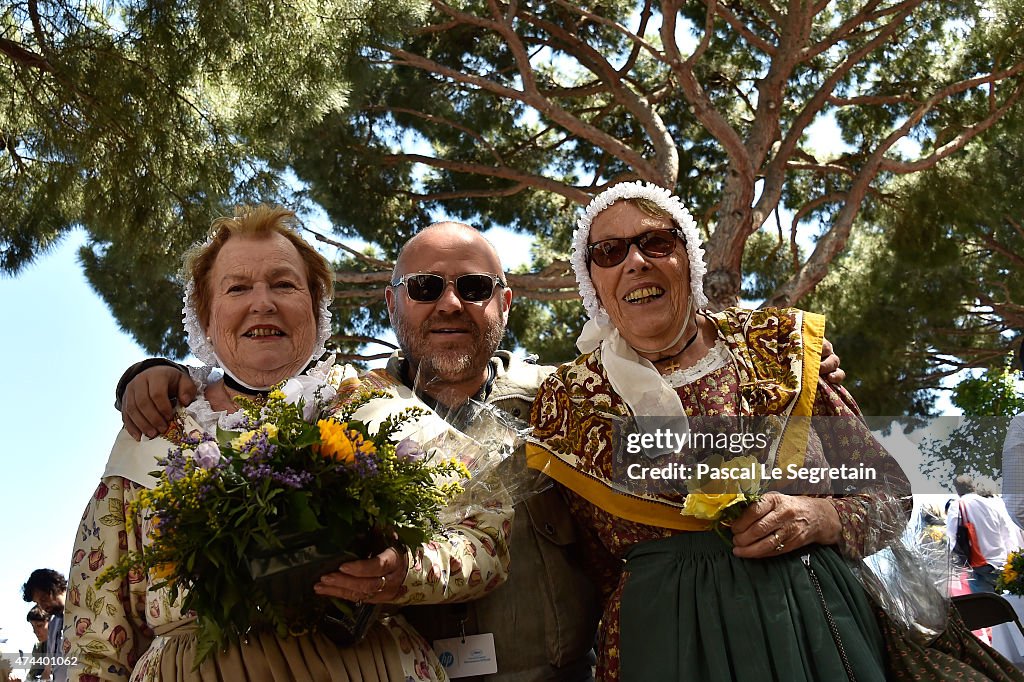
[{"x": 692, "y": 611}]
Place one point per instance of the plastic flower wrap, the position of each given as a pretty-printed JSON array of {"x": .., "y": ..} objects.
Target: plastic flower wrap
[
  {"x": 298, "y": 485},
  {"x": 1010, "y": 578},
  {"x": 909, "y": 575}
]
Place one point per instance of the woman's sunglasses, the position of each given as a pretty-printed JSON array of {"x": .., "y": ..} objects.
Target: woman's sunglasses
[
  {"x": 655, "y": 244},
  {"x": 426, "y": 287}
]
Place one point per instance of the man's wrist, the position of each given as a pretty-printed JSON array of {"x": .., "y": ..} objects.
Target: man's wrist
[{"x": 137, "y": 369}]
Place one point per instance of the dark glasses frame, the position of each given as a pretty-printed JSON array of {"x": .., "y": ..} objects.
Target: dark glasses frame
[
  {"x": 459, "y": 283},
  {"x": 609, "y": 260}
]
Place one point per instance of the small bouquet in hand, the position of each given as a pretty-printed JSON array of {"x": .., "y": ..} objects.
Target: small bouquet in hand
[
  {"x": 1009, "y": 579},
  {"x": 723, "y": 490},
  {"x": 244, "y": 522}
]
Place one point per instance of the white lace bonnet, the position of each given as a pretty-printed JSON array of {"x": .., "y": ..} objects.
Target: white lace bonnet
[
  {"x": 199, "y": 342},
  {"x": 673, "y": 205}
]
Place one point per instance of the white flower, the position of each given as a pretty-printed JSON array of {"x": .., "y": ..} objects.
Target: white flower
[
  {"x": 314, "y": 393},
  {"x": 207, "y": 454}
]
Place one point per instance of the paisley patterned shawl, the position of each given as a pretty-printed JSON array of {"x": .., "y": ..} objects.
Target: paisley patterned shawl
[{"x": 776, "y": 352}]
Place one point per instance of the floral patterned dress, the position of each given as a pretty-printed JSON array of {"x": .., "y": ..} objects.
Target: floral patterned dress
[
  {"x": 128, "y": 630},
  {"x": 713, "y": 388}
]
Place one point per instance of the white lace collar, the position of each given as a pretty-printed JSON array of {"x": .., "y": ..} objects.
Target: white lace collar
[{"x": 715, "y": 359}]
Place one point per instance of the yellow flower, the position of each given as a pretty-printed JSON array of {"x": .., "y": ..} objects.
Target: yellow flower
[
  {"x": 238, "y": 442},
  {"x": 161, "y": 572},
  {"x": 360, "y": 443},
  {"x": 710, "y": 506},
  {"x": 334, "y": 441},
  {"x": 276, "y": 394}
]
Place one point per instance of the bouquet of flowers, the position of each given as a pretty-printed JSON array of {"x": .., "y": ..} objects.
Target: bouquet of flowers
[
  {"x": 246, "y": 521},
  {"x": 1009, "y": 579}
]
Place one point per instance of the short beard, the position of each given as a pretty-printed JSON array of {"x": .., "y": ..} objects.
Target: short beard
[{"x": 448, "y": 366}]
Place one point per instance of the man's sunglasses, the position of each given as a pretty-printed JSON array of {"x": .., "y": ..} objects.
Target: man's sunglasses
[
  {"x": 655, "y": 244},
  {"x": 426, "y": 287}
]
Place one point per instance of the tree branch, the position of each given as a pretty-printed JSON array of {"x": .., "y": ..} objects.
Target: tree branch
[
  {"x": 369, "y": 260},
  {"x": 997, "y": 246},
  {"x": 666, "y": 151},
  {"x": 468, "y": 194},
  {"x": 536, "y": 181},
  {"x": 866, "y": 14},
  {"x": 24, "y": 56},
  {"x": 741, "y": 28},
  {"x": 775, "y": 173},
  {"x": 967, "y": 134},
  {"x": 441, "y": 120},
  {"x": 703, "y": 108},
  {"x": 544, "y": 106}
]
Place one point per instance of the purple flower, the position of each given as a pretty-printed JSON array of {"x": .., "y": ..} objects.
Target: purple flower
[
  {"x": 175, "y": 470},
  {"x": 207, "y": 454},
  {"x": 409, "y": 450},
  {"x": 292, "y": 478}
]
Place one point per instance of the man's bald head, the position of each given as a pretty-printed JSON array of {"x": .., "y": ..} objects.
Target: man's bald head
[
  {"x": 448, "y": 341},
  {"x": 445, "y": 238}
]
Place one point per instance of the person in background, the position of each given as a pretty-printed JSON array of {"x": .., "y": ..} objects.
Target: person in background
[
  {"x": 46, "y": 588},
  {"x": 996, "y": 532},
  {"x": 39, "y": 621},
  {"x": 5, "y": 666}
]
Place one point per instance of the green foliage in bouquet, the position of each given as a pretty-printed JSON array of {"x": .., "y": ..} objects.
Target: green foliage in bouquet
[{"x": 223, "y": 502}]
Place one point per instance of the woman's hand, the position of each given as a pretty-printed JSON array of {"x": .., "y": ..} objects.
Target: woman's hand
[
  {"x": 779, "y": 523},
  {"x": 377, "y": 580}
]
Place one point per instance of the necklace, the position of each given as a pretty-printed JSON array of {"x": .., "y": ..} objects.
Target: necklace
[
  {"x": 236, "y": 385},
  {"x": 672, "y": 365}
]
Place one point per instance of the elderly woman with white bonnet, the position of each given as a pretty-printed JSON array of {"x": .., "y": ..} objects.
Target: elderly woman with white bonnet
[
  {"x": 772, "y": 596},
  {"x": 256, "y": 306}
]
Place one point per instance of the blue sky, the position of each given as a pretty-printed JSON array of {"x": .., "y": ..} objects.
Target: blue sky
[{"x": 62, "y": 353}]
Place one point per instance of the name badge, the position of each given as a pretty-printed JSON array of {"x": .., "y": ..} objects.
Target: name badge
[{"x": 472, "y": 655}]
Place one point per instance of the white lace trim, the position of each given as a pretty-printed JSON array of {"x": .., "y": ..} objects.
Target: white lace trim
[
  {"x": 663, "y": 198},
  {"x": 200, "y": 376},
  {"x": 716, "y": 358},
  {"x": 209, "y": 419}
]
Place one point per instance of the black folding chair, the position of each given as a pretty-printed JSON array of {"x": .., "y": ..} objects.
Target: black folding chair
[{"x": 985, "y": 609}]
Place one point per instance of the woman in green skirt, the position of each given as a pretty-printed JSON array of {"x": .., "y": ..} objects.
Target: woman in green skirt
[{"x": 687, "y": 597}]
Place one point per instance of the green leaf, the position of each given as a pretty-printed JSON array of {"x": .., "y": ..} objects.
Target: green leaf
[{"x": 300, "y": 515}]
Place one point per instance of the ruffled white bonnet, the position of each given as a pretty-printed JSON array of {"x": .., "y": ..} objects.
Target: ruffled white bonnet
[{"x": 673, "y": 205}]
